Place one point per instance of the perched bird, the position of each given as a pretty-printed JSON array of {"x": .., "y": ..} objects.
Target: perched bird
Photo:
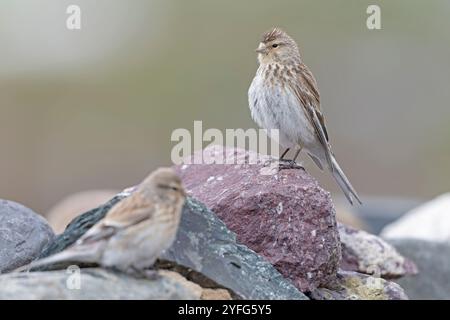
[
  {"x": 284, "y": 96},
  {"x": 134, "y": 232}
]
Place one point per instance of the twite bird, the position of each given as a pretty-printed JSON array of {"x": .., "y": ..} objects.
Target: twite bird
[
  {"x": 134, "y": 232},
  {"x": 284, "y": 95}
]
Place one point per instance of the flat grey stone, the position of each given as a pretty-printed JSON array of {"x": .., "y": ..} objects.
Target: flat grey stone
[
  {"x": 23, "y": 234},
  {"x": 433, "y": 261},
  {"x": 93, "y": 284}
]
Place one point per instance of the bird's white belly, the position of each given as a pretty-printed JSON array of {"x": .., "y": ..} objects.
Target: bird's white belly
[
  {"x": 276, "y": 107},
  {"x": 143, "y": 246}
]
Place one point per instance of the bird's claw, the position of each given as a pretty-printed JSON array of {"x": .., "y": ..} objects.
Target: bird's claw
[
  {"x": 151, "y": 275},
  {"x": 289, "y": 164}
]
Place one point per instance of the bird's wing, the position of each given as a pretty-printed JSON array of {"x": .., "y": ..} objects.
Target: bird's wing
[
  {"x": 305, "y": 89},
  {"x": 130, "y": 211}
]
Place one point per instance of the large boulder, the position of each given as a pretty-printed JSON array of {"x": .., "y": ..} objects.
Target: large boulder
[
  {"x": 23, "y": 234},
  {"x": 433, "y": 261},
  {"x": 366, "y": 253},
  {"x": 285, "y": 216},
  {"x": 429, "y": 221},
  {"x": 203, "y": 244},
  {"x": 95, "y": 284}
]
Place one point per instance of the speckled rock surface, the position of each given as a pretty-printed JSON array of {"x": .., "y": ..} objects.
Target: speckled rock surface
[
  {"x": 356, "y": 286},
  {"x": 204, "y": 244},
  {"x": 23, "y": 234},
  {"x": 95, "y": 284},
  {"x": 284, "y": 216},
  {"x": 366, "y": 253}
]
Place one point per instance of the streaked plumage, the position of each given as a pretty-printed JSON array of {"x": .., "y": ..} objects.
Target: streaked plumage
[
  {"x": 134, "y": 232},
  {"x": 284, "y": 95}
]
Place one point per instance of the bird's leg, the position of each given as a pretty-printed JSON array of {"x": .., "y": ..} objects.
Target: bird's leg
[
  {"x": 149, "y": 274},
  {"x": 296, "y": 154},
  {"x": 284, "y": 153},
  {"x": 272, "y": 160},
  {"x": 290, "y": 164},
  {"x": 152, "y": 274}
]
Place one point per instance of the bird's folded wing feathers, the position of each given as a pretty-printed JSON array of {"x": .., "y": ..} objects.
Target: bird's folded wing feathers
[
  {"x": 314, "y": 119},
  {"x": 305, "y": 88},
  {"x": 130, "y": 211}
]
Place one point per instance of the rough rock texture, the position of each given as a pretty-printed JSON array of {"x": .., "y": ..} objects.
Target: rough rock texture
[
  {"x": 95, "y": 284},
  {"x": 366, "y": 253},
  {"x": 205, "y": 245},
  {"x": 72, "y": 206},
  {"x": 215, "y": 294},
  {"x": 356, "y": 286},
  {"x": 23, "y": 234},
  {"x": 285, "y": 216},
  {"x": 430, "y": 221},
  {"x": 433, "y": 261}
]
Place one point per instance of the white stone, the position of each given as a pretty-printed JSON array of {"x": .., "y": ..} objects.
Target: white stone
[{"x": 430, "y": 221}]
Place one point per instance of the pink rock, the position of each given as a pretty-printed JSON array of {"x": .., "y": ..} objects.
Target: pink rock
[
  {"x": 286, "y": 217},
  {"x": 366, "y": 253}
]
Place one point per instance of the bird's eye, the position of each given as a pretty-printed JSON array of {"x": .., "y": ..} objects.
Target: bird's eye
[
  {"x": 274, "y": 45},
  {"x": 169, "y": 187}
]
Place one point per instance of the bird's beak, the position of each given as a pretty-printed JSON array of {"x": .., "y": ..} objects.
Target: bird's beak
[{"x": 261, "y": 49}]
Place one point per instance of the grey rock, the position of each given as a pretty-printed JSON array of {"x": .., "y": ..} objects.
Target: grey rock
[
  {"x": 23, "y": 234},
  {"x": 357, "y": 286},
  {"x": 366, "y": 253},
  {"x": 94, "y": 284},
  {"x": 433, "y": 262},
  {"x": 204, "y": 244}
]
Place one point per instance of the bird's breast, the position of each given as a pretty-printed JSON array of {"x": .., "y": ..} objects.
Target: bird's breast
[{"x": 274, "y": 105}]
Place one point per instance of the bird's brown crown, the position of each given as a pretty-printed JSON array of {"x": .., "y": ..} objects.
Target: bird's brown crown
[{"x": 273, "y": 34}]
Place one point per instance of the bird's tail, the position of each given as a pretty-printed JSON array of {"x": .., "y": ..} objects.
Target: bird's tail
[
  {"x": 343, "y": 182},
  {"x": 64, "y": 256}
]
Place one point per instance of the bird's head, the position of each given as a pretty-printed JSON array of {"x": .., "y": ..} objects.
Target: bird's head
[
  {"x": 277, "y": 46},
  {"x": 165, "y": 183}
]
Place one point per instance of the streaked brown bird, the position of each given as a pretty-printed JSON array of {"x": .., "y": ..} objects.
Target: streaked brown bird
[
  {"x": 284, "y": 96},
  {"x": 134, "y": 232}
]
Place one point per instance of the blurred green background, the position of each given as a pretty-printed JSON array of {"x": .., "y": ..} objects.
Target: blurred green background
[{"x": 95, "y": 108}]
